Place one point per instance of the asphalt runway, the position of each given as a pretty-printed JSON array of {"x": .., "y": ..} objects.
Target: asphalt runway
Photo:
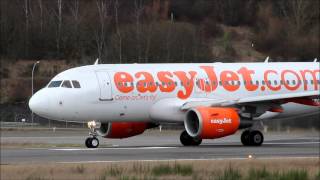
[{"x": 158, "y": 146}]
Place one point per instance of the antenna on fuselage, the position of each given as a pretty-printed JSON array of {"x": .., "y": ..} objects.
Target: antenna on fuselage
[
  {"x": 96, "y": 62},
  {"x": 315, "y": 60},
  {"x": 267, "y": 60}
]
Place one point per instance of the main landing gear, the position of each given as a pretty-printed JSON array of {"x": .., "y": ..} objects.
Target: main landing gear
[
  {"x": 187, "y": 140},
  {"x": 251, "y": 138},
  {"x": 92, "y": 141}
]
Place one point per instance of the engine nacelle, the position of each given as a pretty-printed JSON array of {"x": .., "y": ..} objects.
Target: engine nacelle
[
  {"x": 210, "y": 123},
  {"x": 119, "y": 130}
]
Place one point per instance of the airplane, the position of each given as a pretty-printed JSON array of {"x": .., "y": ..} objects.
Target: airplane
[{"x": 211, "y": 100}]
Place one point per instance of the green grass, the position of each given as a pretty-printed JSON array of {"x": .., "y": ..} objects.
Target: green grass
[
  {"x": 258, "y": 174},
  {"x": 115, "y": 171},
  {"x": 79, "y": 169},
  {"x": 263, "y": 174},
  {"x": 215, "y": 170},
  {"x": 230, "y": 174},
  {"x": 317, "y": 177},
  {"x": 176, "y": 169},
  {"x": 292, "y": 175},
  {"x": 35, "y": 177}
]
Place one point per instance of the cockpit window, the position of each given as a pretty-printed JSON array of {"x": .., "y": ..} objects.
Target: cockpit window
[
  {"x": 66, "y": 84},
  {"x": 76, "y": 84},
  {"x": 54, "y": 84}
]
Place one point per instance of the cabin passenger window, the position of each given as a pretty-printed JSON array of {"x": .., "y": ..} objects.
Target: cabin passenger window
[
  {"x": 293, "y": 82},
  {"x": 311, "y": 81},
  {"x": 76, "y": 84},
  {"x": 257, "y": 82},
  {"x": 54, "y": 84},
  {"x": 66, "y": 84},
  {"x": 281, "y": 82},
  {"x": 275, "y": 82}
]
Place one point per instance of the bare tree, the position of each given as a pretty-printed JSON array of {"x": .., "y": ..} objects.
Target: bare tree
[
  {"x": 137, "y": 13},
  {"x": 27, "y": 23},
  {"x": 148, "y": 33},
  {"x": 168, "y": 38},
  {"x": 116, "y": 6},
  {"x": 59, "y": 24},
  {"x": 298, "y": 13},
  {"x": 100, "y": 34},
  {"x": 41, "y": 15},
  {"x": 74, "y": 8}
]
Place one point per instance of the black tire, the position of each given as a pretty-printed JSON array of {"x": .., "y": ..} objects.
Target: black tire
[
  {"x": 187, "y": 140},
  {"x": 88, "y": 142},
  {"x": 245, "y": 138},
  {"x": 196, "y": 142},
  {"x": 256, "y": 138},
  {"x": 92, "y": 142}
]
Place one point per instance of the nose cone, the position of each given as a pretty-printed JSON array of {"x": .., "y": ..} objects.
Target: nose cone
[{"x": 39, "y": 103}]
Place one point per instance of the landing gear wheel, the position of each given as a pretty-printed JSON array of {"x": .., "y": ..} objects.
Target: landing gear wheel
[
  {"x": 187, "y": 140},
  {"x": 88, "y": 142},
  {"x": 256, "y": 138},
  {"x": 92, "y": 142},
  {"x": 252, "y": 138},
  {"x": 245, "y": 138}
]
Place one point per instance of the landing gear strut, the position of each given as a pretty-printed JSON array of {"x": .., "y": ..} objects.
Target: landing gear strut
[
  {"x": 92, "y": 141},
  {"x": 187, "y": 140},
  {"x": 252, "y": 138}
]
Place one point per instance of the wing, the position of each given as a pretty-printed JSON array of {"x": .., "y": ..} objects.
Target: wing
[
  {"x": 301, "y": 97},
  {"x": 173, "y": 110}
]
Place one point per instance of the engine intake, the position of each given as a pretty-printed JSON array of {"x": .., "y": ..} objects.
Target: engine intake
[
  {"x": 210, "y": 123},
  {"x": 119, "y": 130}
]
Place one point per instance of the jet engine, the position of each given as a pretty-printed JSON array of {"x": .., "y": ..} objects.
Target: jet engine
[
  {"x": 119, "y": 130},
  {"x": 211, "y": 122}
]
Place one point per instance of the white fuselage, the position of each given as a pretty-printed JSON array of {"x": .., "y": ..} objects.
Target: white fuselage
[{"x": 155, "y": 92}]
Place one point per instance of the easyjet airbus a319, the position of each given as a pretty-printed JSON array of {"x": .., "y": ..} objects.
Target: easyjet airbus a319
[{"x": 211, "y": 100}]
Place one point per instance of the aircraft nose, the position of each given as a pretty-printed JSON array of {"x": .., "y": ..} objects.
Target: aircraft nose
[{"x": 38, "y": 103}]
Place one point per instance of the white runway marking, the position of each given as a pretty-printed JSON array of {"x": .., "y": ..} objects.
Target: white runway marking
[
  {"x": 111, "y": 148},
  {"x": 293, "y": 143},
  {"x": 174, "y": 160}
]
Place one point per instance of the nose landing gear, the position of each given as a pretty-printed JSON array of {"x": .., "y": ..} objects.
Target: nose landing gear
[{"x": 92, "y": 141}]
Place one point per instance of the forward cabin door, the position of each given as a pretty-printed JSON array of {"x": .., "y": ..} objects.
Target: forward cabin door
[{"x": 104, "y": 85}]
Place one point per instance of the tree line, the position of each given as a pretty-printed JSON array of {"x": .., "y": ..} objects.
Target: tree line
[{"x": 142, "y": 31}]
